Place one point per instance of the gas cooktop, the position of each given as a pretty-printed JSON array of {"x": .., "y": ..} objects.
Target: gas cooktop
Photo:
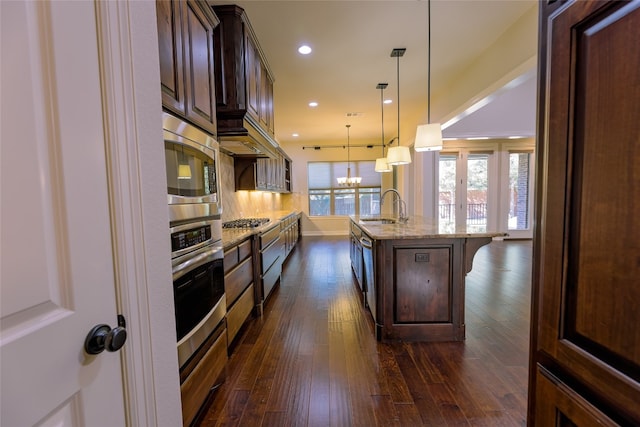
[{"x": 245, "y": 223}]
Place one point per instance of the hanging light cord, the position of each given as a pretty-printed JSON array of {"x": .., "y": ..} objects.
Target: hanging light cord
[
  {"x": 398, "y": 73},
  {"x": 348, "y": 146},
  {"x": 429, "y": 62},
  {"x": 382, "y": 109}
]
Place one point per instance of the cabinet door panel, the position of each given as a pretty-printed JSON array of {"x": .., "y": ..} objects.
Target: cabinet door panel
[
  {"x": 561, "y": 406},
  {"x": 171, "y": 55},
  {"x": 253, "y": 76},
  {"x": 587, "y": 297},
  {"x": 423, "y": 286},
  {"x": 200, "y": 84}
]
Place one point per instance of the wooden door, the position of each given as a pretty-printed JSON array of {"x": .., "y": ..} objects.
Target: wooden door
[
  {"x": 585, "y": 353},
  {"x": 57, "y": 275}
]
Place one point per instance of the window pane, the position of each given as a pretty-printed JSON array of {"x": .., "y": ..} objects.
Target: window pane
[
  {"x": 447, "y": 191},
  {"x": 319, "y": 202},
  {"x": 326, "y": 197},
  {"x": 345, "y": 201},
  {"x": 319, "y": 175},
  {"x": 519, "y": 191},
  {"x": 477, "y": 186},
  {"x": 367, "y": 170},
  {"x": 369, "y": 201}
]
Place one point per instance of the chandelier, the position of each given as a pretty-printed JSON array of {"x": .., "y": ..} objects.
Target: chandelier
[{"x": 349, "y": 181}]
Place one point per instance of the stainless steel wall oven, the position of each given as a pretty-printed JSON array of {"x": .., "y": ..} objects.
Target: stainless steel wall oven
[
  {"x": 193, "y": 194},
  {"x": 198, "y": 283},
  {"x": 192, "y": 163}
]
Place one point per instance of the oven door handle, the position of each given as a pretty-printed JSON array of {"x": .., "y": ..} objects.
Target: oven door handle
[{"x": 195, "y": 262}]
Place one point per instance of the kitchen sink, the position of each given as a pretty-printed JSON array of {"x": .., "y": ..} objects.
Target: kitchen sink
[{"x": 377, "y": 220}]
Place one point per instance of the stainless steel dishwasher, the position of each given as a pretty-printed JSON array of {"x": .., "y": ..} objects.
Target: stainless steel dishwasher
[{"x": 369, "y": 276}]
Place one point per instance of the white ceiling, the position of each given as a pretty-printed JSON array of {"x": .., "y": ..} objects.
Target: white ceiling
[{"x": 352, "y": 42}]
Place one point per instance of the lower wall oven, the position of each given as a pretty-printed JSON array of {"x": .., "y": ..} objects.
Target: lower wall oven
[{"x": 200, "y": 309}]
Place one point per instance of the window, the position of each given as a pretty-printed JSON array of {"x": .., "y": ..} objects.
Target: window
[
  {"x": 519, "y": 175},
  {"x": 326, "y": 197}
]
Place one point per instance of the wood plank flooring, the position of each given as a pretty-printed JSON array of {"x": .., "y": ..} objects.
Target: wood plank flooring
[{"x": 312, "y": 359}]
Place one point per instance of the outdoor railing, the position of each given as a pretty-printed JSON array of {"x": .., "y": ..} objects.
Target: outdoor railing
[{"x": 476, "y": 213}]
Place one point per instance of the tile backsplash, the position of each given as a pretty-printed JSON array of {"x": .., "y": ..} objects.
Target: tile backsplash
[{"x": 244, "y": 204}]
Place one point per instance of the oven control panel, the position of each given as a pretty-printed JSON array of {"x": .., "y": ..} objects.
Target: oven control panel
[{"x": 191, "y": 237}]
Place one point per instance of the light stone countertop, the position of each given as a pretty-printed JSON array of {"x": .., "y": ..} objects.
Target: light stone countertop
[
  {"x": 233, "y": 236},
  {"x": 420, "y": 228}
]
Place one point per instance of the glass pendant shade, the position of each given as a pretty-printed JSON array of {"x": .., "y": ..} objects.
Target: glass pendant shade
[
  {"x": 399, "y": 155},
  {"x": 382, "y": 165},
  {"x": 429, "y": 137}
]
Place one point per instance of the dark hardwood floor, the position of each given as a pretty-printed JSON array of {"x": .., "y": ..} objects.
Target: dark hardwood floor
[{"x": 312, "y": 359}]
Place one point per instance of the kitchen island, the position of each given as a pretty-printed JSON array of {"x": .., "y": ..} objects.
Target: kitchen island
[{"x": 414, "y": 275}]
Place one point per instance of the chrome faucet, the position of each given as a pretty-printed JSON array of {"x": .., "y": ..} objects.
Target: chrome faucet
[{"x": 402, "y": 206}]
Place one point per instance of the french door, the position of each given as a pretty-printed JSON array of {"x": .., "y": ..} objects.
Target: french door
[
  {"x": 487, "y": 190},
  {"x": 466, "y": 191}
]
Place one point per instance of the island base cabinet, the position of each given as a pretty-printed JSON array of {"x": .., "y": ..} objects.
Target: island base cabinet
[
  {"x": 421, "y": 292},
  {"x": 423, "y": 288},
  {"x": 415, "y": 288}
]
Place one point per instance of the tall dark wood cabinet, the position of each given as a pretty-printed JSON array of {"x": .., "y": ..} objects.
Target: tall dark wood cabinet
[
  {"x": 585, "y": 336},
  {"x": 245, "y": 81},
  {"x": 187, "y": 71}
]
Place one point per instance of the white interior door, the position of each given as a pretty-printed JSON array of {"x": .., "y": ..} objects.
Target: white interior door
[{"x": 57, "y": 276}]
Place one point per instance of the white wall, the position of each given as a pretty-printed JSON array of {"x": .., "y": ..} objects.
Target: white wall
[{"x": 512, "y": 55}]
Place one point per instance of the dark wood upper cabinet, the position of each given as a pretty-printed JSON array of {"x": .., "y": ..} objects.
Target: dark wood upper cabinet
[
  {"x": 252, "y": 75},
  {"x": 187, "y": 67},
  {"x": 585, "y": 341},
  {"x": 171, "y": 57},
  {"x": 244, "y": 80}
]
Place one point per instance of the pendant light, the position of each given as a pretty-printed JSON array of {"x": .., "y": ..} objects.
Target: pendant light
[
  {"x": 398, "y": 155},
  {"x": 349, "y": 181},
  {"x": 381, "y": 163},
  {"x": 429, "y": 136}
]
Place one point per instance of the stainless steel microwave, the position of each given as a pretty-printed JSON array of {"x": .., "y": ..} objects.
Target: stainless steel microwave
[{"x": 192, "y": 163}]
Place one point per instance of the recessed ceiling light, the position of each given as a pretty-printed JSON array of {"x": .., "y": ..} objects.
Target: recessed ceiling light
[
  {"x": 304, "y": 49},
  {"x": 517, "y": 137},
  {"x": 295, "y": 135},
  {"x": 313, "y": 104},
  {"x": 387, "y": 101},
  {"x": 475, "y": 138}
]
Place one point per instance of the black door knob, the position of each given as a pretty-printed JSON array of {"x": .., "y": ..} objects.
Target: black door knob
[{"x": 102, "y": 337}]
